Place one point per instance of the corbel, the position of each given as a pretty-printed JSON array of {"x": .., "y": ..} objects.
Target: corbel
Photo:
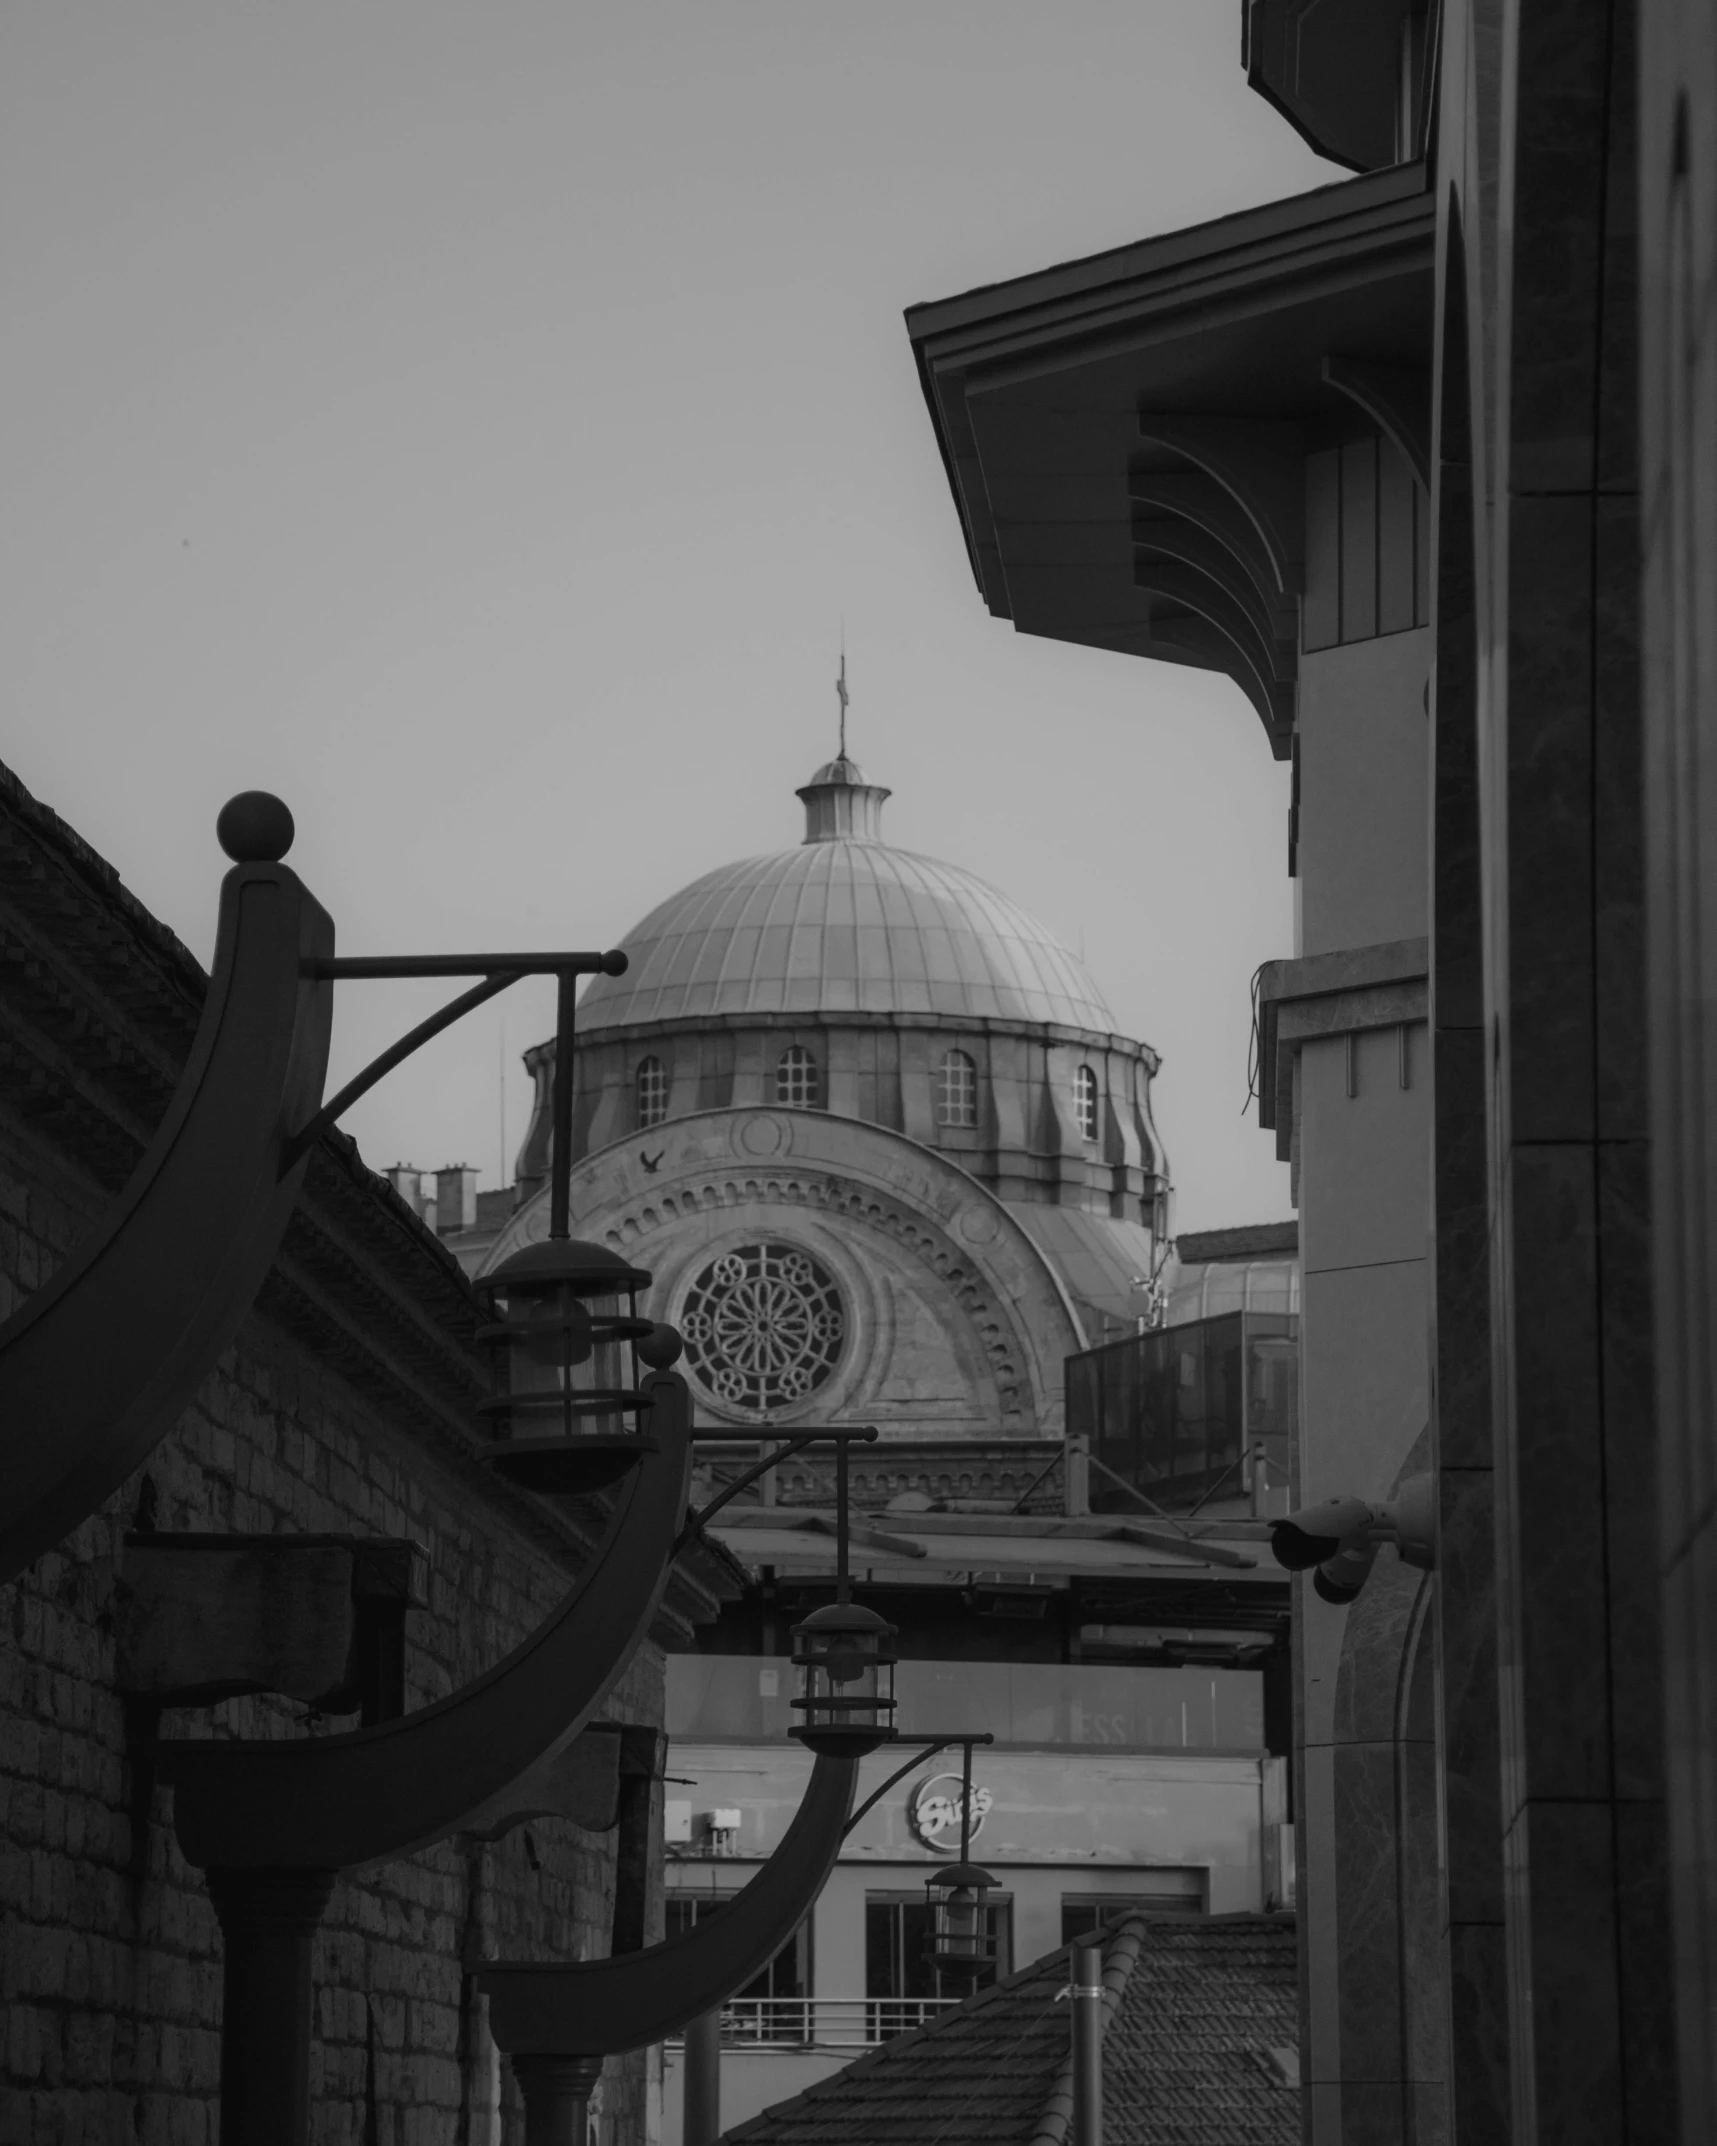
[
  {"x": 1397, "y": 399},
  {"x": 1260, "y": 462}
]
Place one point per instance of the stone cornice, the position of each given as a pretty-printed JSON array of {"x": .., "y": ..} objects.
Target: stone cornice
[
  {"x": 1336, "y": 994},
  {"x": 705, "y": 1024}
]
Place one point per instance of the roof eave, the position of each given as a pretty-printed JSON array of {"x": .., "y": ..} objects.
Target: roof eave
[{"x": 1013, "y": 372}]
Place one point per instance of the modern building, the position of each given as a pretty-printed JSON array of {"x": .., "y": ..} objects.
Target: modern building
[
  {"x": 1132, "y": 1674},
  {"x": 1389, "y": 456}
]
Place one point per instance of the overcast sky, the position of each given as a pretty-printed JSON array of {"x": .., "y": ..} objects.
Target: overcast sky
[{"x": 476, "y": 422}]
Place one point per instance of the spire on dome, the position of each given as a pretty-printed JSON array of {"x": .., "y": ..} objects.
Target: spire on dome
[{"x": 840, "y": 806}]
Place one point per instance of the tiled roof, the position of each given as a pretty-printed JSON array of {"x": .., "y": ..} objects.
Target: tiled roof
[
  {"x": 1189, "y": 2056},
  {"x": 1197, "y": 2051}
]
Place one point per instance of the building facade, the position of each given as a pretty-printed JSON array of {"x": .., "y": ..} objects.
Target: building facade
[
  {"x": 874, "y": 1132},
  {"x": 1376, "y": 454},
  {"x": 1131, "y": 1679}
]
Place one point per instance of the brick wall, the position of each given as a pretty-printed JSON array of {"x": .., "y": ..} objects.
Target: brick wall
[{"x": 344, "y": 1406}]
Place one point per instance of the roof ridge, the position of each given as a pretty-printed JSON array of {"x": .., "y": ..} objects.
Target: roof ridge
[
  {"x": 1120, "y": 1957},
  {"x": 888, "y": 2053}
]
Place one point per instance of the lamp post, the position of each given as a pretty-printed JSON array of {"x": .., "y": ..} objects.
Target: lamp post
[
  {"x": 846, "y": 1658},
  {"x": 962, "y": 1939},
  {"x": 272, "y": 1822},
  {"x": 556, "y": 2023}
]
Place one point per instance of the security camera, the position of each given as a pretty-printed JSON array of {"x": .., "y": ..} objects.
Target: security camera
[{"x": 1337, "y": 1541}]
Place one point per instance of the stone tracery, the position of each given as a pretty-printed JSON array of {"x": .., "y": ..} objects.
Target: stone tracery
[{"x": 764, "y": 1326}]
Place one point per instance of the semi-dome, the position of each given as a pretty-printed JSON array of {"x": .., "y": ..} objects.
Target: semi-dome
[{"x": 844, "y": 924}]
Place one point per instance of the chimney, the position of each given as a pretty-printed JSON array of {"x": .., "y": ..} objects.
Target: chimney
[
  {"x": 408, "y": 1183},
  {"x": 455, "y": 1199}
]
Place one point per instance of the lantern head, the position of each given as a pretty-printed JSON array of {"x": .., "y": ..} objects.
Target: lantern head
[
  {"x": 564, "y": 1340},
  {"x": 962, "y": 1935},
  {"x": 846, "y": 1657}
]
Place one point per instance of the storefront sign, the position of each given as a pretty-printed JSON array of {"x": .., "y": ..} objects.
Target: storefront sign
[{"x": 933, "y": 1812}]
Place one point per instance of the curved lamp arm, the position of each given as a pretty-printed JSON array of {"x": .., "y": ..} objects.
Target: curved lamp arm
[
  {"x": 600, "y": 2007},
  {"x": 339, "y": 1802},
  {"x": 99, "y": 1364}
]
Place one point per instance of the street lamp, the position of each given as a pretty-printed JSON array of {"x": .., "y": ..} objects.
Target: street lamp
[
  {"x": 962, "y": 1936},
  {"x": 845, "y": 1655},
  {"x": 565, "y": 1343}
]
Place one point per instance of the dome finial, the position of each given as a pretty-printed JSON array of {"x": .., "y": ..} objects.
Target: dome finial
[{"x": 840, "y": 806}]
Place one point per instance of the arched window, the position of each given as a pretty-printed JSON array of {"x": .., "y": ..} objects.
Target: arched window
[
  {"x": 1085, "y": 1102},
  {"x": 796, "y": 1078},
  {"x": 956, "y": 1090},
  {"x": 652, "y": 1078}
]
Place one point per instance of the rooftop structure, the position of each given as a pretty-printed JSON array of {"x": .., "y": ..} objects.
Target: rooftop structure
[{"x": 1198, "y": 2050}]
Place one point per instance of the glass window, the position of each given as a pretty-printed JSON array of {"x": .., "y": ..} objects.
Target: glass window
[
  {"x": 1085, "y": 1102},
  {"x": 652, "y": 1092},
  {"x": 956, "y": 1090},
  {"x": 896, "y": 1937},
  {"x": 796, "y": 1080},
  {"x": 715, "y": 1698},
  {"x": 1174, "y": 1411},
  {"x": 773, "y": 2006}
]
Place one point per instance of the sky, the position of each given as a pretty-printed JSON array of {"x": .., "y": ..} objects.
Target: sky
[{"x": 479, "y": 424}]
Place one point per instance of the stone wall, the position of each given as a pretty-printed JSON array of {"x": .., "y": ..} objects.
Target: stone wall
[{"x": 343, "y": 1407}]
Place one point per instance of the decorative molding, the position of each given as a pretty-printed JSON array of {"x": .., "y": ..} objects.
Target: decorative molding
[
  {"x": 849, "y": 1175},
  {"x": 1337, "y": 994}
]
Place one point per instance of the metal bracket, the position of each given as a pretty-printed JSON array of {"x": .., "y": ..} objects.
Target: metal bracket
[
  {"x": 497, "y": 972},
  {"x": 926, "y": 1750}
]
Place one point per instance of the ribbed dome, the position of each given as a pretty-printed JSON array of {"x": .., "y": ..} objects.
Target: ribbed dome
[{"x": 843, "y": 924}]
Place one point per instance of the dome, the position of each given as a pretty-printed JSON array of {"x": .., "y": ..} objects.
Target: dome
[{"x": 844, "y": 924}]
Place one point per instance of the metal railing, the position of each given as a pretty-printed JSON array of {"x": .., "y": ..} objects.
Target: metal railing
[{"x": 824, "y": 2022}]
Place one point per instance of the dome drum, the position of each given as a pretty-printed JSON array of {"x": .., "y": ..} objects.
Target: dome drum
[{"x": 1024, "y": 1140}]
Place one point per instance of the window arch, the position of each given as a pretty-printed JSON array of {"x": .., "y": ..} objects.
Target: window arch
[
  {"x": 796, "y": 1079},
  {"x": 652, "y": 1092},
  {"x": 1085, "y": 1102},
  {"x": 956, "y": 1090}
]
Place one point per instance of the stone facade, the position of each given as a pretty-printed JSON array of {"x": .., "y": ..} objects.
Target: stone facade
[
  {"x": 848, "y": 1055},
  {"x": 953, "y": 1319},
  {"x": 345, "y": 1406},
  {"x": 1494, "y": 1848}
]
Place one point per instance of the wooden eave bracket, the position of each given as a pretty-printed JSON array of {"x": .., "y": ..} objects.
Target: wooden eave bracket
[
  {"x": 1243, "y": 501},
  {"x": 1260, "y": 461},
  {"x": 1397, "y": 399}
]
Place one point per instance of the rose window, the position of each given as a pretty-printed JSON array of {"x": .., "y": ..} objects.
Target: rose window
[{"x": 763, "y": 1327}]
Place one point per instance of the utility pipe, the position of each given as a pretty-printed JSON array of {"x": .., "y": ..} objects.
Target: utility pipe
[
  {"x": 1087, "y": 2010},
  {"x": 702, "y": 2080}
]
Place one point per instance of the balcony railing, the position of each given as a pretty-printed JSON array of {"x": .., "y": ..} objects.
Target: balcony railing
[{"x": 824, "y": 2022}]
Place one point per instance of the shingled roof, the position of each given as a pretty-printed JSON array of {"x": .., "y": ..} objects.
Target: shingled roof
[{"x": 1198, "y": 2050}]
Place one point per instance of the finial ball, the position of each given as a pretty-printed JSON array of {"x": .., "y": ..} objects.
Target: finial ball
[
  {"x": 661, "y": 1348},
  {"x": 254, "y": 828}
]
